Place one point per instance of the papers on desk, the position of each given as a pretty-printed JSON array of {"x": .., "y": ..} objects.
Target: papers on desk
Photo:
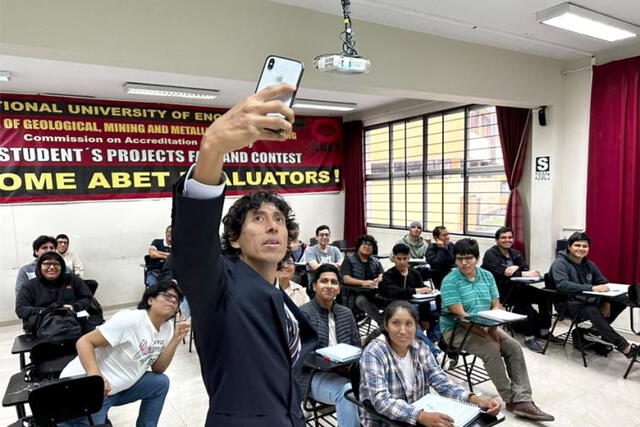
[
  {"x": 463, "y": 413},
  {"x": 83, "y": 313},
  {"x": 501, "y": 315},
  {"x": 433, "y": 294},
  {"x": 526, "y": 279},
  {"x": 417, "y": 261},
  {"x": 340, "y": 352},
  {"x": 615, "y": 289}
]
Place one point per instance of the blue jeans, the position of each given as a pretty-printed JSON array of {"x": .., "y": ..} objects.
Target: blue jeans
[
  {"x": 152, "y": 277},
  {"x": 152, "y": 388},
  {"x": 329, "y": 388}
]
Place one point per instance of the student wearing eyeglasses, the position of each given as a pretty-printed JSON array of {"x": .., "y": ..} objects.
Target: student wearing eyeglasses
[
  {"x": 51, "y": 285},
  {"x": 467, "y": 290},
  {"x": 130, "y": 351}
]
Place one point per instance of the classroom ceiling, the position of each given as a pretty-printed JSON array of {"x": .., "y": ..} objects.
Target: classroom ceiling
[{"x": 507, "y": 24}]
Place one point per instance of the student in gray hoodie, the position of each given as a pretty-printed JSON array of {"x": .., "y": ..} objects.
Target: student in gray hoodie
[
  {"x": 572, "y": 272},
  {"x": 413, "y": 239}
]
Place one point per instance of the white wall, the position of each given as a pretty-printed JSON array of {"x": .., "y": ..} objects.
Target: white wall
[{"x": 112, "y": 238}]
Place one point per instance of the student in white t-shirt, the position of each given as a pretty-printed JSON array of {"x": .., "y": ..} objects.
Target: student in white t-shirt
[{"x": 123, "y": 349}]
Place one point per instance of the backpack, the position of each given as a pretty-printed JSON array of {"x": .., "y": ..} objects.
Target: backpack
[{"x": 57, "y": 323}]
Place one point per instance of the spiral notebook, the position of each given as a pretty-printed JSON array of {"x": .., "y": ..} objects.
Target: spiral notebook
[{"x": 463, "y": 413}]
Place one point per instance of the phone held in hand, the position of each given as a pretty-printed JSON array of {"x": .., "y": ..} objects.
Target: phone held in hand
[{"x": 278, "y": 70}]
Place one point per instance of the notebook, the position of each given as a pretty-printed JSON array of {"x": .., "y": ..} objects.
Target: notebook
[
  {"x": 433, "y": 294},
  {"x": 501, "y": 315},
  {"x": 526, "y": 279},
  {"x": 615, "y": 289},
  {"x": 340, "y": 352},
  {"x": 463, "y": 413}
]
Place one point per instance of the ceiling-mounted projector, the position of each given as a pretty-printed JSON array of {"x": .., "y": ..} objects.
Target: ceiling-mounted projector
[
  {"x": 347, "y": 62},
  {"x": 342, "y": 64}
]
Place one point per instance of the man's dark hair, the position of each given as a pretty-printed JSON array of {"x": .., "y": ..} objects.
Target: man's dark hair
[
  {"x": 154, "y": 291},
  {"x": 401, "y": 248},
  {"x": 438, "y": 230},
  {"x": 367, "y": 238},
  {"x": 62, "y": 236},
  {"x": 466, "y": 246},
  {"x": 294, "y": 231},
  {"x": 326, "y": 268},
  {"x": 322, "y": 227},
  {"x": 577, "y": 236},
  {"x": 41, "y": 240},
  {"x": 503, "y": 230},
  {"x": 234, "y": 219}
]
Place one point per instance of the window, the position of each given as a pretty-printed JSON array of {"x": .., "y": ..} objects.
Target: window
[{"x": 444, "y": 169}]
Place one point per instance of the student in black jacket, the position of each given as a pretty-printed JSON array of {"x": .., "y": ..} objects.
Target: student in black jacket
[
  {"x": 504, "y": 262},
  {"x": 251, "y": 337},
  {"x": 440, "y": 255},
  {"x": 573, "y": 272}
]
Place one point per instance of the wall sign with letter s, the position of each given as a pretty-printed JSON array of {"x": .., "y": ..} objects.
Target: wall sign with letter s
[{"x": 543, "y": 168}]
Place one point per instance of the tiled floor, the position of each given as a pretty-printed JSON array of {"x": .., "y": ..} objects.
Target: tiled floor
[{"x": 577, "y": 396}]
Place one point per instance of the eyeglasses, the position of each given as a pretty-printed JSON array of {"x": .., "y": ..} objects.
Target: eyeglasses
[
  {"x": 462, "y": 259},
  {"x": 284, "y": 264},
  {"x": 63, "y": 242},
  {"x": 324, "y": 235},
  {"x": 49, "y": 265},
  {"x": 369, "y": 244},
  {"x": 169, "y": 296}
]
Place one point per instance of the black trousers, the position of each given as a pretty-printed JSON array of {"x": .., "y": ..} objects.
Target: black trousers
[
  {"x": 591, "y": 312},
  {"x": 521, "y": 297}
]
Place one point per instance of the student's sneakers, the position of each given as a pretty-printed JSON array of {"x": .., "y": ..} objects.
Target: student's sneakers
[
  {"x": 633, "y": 351},
  {"x": 533, "y": 345},
  {"x": 529, "y": 410},
  {"x": 551, "y": 338}
]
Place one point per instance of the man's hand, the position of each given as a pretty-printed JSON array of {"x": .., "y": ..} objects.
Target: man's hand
[
  {"x": 600, "y": 288},
  {"x": 68, "y": 307},
  {"x": 434, "y": 419},
  {"x": 369, "y": 283},
  {"x": 605, "y": 309},
  {"x": 532, "y": 273},
  {"x": 247, "y": 121},
  {"x": 182, "y": 328},
  {"x": 107, "y": 387},
  {"x": 440, "y": 243},
  {"x": 509, "y": 271},
  {"x": 425, "y": 290}
]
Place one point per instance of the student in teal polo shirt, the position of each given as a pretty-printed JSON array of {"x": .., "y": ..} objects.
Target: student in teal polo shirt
[{"x": 467, "y": 290}]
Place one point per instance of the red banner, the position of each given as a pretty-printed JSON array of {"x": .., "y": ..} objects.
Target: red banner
[{"x": 62, "y": 149}]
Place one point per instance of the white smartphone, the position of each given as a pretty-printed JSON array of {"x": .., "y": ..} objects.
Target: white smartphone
[{"x": 278, "y": 70}]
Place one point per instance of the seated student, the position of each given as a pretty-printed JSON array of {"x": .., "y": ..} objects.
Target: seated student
[
  {"x": 401, "y": 282},
  {"x": 467, "y": 290},
  {"x": 71, "y": 259},
  {"x": 323, "y": 252},
  {"x": 123, "y": 349},
  {"x": 41, "y": 245},
  {"x": 297, "y": 246},
  {"x": 396, "y": 370},
  {"x": 159, "y": 250},
  {"x": 52, "y": 286},
  {"x": 505, "y": 262},
  {"x": 286, "y": 270},
  {"x": 414, "y": 240},
  {"x": 334, "y": 324},
  {"x": 573, "y": 272},
  {"x": 440, "y": 255},
  {"x": 363, "y": 270}
]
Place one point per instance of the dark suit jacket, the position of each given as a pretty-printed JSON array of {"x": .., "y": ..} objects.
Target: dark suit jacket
[{"x": 239, "y": 322}]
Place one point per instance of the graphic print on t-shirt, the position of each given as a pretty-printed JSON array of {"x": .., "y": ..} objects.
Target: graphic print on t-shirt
[{"x": 148, "y": 353}]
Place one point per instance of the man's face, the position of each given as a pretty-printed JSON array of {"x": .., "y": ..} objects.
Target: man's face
[
  {"x": 415, "y": 232},
  {"x": 444, "y": 236},
  {"x": 323, "y": 237},
  {"x": 365, "y": 249},
  {"x": 327, "y": 287},
  {"x": 466, "y": 263},
  {"x": 167, "y": 236},
  {"x": 165, "y": 304},
  {"x": 47, "y": 247},
  {"x": 51, "y": 269},
  {"x": 505, "y": 240},
  {"x": 263, "y": 237},
  {"x": 579, "y": 249},
  {"x": 401, "y": 261},
  {"x": 63, "y": 245}
]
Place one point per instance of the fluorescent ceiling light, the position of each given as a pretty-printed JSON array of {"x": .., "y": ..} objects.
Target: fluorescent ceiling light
[
  {"x": 311, "y": 104},
  {"x": 5, "y": 76},
  {"x": 574, "y": 18},
  {"x": 170, "y": 91}
]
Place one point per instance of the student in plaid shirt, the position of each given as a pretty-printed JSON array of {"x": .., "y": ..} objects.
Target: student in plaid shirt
[{"x": 396, "y": 370}]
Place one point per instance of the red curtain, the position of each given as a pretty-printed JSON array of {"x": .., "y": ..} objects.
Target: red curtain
[
  {"x": 513, "y": 127},
  {"x": 613, "y": 182},
  {"x": 353, "y": 177}
]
